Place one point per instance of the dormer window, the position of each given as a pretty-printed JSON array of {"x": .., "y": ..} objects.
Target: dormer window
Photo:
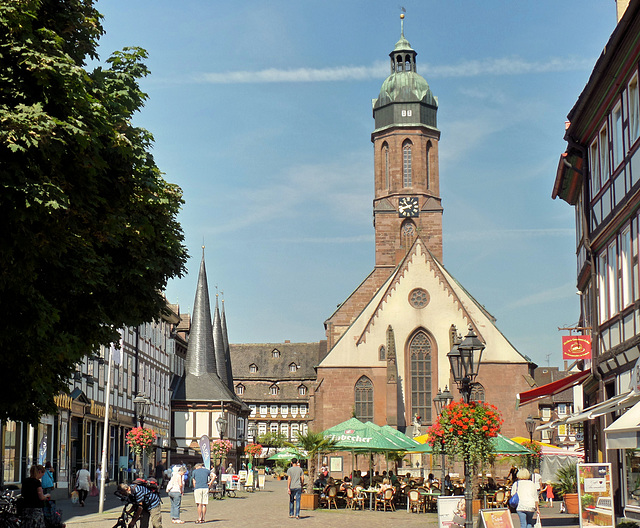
[
  {"x": 274, "y": 390},
  {"x": 253, "y": 367},
  {"x": 302, "y": 390},
  {"x": 293, "y": 367},
  {"x": 275, "y": 353},
  {"x": 239, "y": 388}
]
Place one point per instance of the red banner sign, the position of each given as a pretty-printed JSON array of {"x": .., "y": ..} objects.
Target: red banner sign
[{"x": 576, "y": 347}]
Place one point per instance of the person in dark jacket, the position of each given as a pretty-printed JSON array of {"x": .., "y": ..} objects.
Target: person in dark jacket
[{"x": 33, "y": 498}]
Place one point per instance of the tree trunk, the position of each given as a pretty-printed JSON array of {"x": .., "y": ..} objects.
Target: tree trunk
[{"x": 311, "y": 468}]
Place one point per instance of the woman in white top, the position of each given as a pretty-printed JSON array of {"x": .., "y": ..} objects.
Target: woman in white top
[
  {"x": 175, "y": 489},
  {"x": 527, "y": 498},
  {"x": 83, "y": 483}
]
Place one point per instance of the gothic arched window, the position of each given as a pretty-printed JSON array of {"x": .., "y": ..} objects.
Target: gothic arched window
[
  {"x": 364, "y": 399},
  {"x": 382, "y": 353},
  {"x": 428, "y": 164},
  {"x": 385, "y": 165},
  {"x": 477, "y": 393},
  {"x": 420, "y": 365},
  {"x": 407, "y": 234},
  {"x": 406, "y": 164}
]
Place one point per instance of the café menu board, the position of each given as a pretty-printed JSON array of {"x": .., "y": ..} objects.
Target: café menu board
[
  {"x": 496, "y": 518},
  {"x": 595, "y": 495}
]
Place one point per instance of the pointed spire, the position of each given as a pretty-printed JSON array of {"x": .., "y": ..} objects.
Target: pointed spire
[
  {"x": 227, "y": 351},
  {"x": 218, "y": 344},
  {"x": 200, "y": 351}
]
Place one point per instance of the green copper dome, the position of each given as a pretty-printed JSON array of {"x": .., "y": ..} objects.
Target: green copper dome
[{"x": 405, "y": 98}]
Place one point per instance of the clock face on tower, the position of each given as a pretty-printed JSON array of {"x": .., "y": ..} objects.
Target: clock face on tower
[{"x": 408, "y": 206}]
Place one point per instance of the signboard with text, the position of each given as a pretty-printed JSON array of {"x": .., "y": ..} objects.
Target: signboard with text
[{"x": 576, "y": 347}]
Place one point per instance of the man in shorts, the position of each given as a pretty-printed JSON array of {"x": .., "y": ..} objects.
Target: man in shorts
[{"x": 201, "y": 485}]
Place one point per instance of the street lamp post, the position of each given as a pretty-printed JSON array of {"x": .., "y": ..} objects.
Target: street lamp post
[
  {"x": 221, "y": 424},
  {"x": 465, "y": 360},
  {"x": 142, "y": 404},
  {"x": 531, "y": 425},
  {"x": 440, "y": 402}
]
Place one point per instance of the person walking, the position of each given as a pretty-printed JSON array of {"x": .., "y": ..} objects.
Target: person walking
[
  {"x": 83, "y": 483},
  {"x": 527, "y": 498},
  {"x": 175, "y": 489},
  {"x": 202, "y": 482},
  {"x": 295, "y": 481},
  {"x": 48, "y": 482},
  {"x": 149, "y": 505}
]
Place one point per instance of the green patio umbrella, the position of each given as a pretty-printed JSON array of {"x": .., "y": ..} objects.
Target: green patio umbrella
[
  {"x": 284, "y": 455},
  {"x": 357, "y": 436},
  {"x": 505, "y": 446}
]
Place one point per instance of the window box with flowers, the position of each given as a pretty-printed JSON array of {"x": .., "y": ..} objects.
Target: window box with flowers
[{"x": 219, "y": 450}]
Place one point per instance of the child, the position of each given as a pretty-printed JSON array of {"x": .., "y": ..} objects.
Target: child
[{"x": 548, "y": 493}]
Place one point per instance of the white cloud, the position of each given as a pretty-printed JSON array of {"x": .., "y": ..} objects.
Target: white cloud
[
  {"x": 563, "y": 292},
  {"x": 379, "y": 70}
]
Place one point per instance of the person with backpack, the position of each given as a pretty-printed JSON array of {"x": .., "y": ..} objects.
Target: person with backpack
[{"x": 148, "y": 501}]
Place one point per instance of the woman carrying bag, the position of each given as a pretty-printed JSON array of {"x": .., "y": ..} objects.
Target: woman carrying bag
[{"x": 527, "y": 499}]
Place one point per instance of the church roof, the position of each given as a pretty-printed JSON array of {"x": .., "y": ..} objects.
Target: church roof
[{"x": 201, "y": 381}]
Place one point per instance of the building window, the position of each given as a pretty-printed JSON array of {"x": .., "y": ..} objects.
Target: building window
[
  {"x": 406, "y": 164},
  {"x": 273, "y": 410},
  {"x": 275, "y": 353},
  {"x": 407, "y": 234},
  {"x": 262, "y": 428},
  {"x": 284, "y": 410},
  {"x": 419, "y": 298},
  {"x": 625, "y": 267},
  {"x": 634, "y": 112},
  {"x": 263, "y": 410},
  {"x": 240, "y": 389},
  {"x": 385, "y": 161},
  {"x": 595, "y": 169},
  {"x": 382, "y": 353},
  {"x": 477, "y": 393},
  {"x": 273, "y": 428},
  {"x": 253, "y": 410},
  {"x": 303, "y": 409},
  {"x": 302, "y": 390},
  {"x": 428, "y": 164},
  {"x": 420, "y": 375},
  {"x": 616, "y": 135},
  {"x": 364, "y": 399},
  {"x": 546, "y": 413},
  {"x": 253, "y": 367},
  {"x": 293, "y": 367},
  {"x": 294, "y": 410},
  {"x": 604, "y": 155},
  {"x": 273, "y": 390},
  {"x": 562, "y": 409}
]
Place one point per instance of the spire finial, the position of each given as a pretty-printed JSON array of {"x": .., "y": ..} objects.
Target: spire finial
[{"x": 402, "y": 21}]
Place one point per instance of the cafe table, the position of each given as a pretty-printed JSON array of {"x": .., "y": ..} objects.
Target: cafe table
[{"x": 371, "y": 492}]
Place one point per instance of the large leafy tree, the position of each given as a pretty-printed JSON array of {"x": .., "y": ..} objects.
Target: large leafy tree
[{"x": 89, "y": 226}]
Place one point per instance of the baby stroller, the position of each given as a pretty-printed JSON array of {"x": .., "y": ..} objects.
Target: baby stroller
[
  {"x": 128, "y": 510},
  {"x": 52, "y": 515}
]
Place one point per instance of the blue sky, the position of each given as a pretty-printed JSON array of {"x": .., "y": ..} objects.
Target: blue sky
[{"x": 261, "y": 112}]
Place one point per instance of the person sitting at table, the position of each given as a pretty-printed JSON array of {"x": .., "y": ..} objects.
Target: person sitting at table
[
  {"x": 377, "y": 479},
  {"x": 346, "y": 483},
  {"x": 491, "y": 484},
  {"x": 407, "y": 479},
  {"x": 385, "y": 485},
  {"x": 393, "y": 479},
  {"x": 431, "y": 479},
  {"x": 357, "y": 478},
  {"x": 320, "y": 482},
  {"x": 366, "y": 481}
]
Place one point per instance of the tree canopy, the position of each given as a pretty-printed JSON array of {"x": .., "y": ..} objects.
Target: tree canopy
[{"x": 90, "y": 232}]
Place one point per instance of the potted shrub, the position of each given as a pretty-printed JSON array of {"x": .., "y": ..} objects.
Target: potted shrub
[{"x": 567, "y": 486}]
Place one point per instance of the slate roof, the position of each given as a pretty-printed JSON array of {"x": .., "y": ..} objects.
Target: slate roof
[
  {"x": 258, "y": 391},
  {"x": 544, "y": 375},
  {"x": 305, "y": 355}
]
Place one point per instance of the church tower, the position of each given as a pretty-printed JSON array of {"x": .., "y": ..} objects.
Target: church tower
[{"x": 405, "y": 141}]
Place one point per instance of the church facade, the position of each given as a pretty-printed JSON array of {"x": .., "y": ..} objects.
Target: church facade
[{"x": 388, "y": 341}]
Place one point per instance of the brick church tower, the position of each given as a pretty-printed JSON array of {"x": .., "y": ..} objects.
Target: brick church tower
[{"x": 405, "y": 140}]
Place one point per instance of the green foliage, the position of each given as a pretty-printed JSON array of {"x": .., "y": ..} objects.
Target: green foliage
[
  {"x": 272, "y": 439},
  {"x": 90, "y": 232},
  {"x": 531, "y": 461},
  {"x": 627, "y": 524},
  {"x": 566, "y": 480},
  {"x": 313, "y": 444}
]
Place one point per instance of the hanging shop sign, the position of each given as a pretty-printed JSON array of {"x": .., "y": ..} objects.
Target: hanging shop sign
[{"x": 576, "y": 347}]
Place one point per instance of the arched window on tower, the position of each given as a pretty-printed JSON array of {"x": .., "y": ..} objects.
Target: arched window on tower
[
  {"x": 477, "y": 393},
  {"x": 420, "y": 375},
  {"x": 364, "y": 399},
  {"x": 382, "y": 353},
  {"x": 406, "y": 164},
  {"x": 399, "y": 63},
  {"x": 428, "y": 164},
  {"x": 407, "y": 234},
  {"x": 407, "y": 63},
  {"x": 385, "y": 165}
]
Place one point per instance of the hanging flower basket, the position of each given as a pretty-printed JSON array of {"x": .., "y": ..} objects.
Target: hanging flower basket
[
  {"x": 220, "y": 448},
  {"x": 141, "y": 440},
  {"x": 464, "y": 431},
  {"x": 252, "y": 450}
]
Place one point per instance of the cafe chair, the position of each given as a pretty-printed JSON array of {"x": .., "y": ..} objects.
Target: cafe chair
[
  {"x": 386, "y": 499},
  {"x": 498, "y": 499},
  {"x": 415, "y": 501}
]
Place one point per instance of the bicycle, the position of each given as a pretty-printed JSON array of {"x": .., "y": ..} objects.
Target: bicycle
[
  {"x": 128, "y": 510},
  {"x": 9, "y": 517}
]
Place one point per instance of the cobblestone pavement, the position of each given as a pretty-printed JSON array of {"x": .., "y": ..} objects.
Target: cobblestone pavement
[{"x": 268, "y": 508}]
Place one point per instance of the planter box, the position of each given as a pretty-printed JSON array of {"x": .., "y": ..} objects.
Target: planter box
[
  {"x": 571, "y": 502},
  {"x": 309, "y": 501}
]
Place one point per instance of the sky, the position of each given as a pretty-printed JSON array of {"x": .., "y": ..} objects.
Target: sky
[{"x": 261, "y": 113}]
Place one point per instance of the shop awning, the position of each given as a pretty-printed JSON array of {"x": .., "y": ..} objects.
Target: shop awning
[
  {"x": 552, "y": 388},
  {"x": 621, "y": 401},
  {"x": 624, "y": 433}
]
